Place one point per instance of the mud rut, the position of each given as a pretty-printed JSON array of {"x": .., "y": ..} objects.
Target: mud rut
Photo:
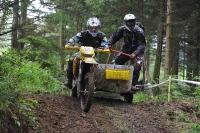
[{"x": 62, "y": 114}]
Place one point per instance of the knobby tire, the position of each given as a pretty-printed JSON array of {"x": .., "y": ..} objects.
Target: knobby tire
[{"x": 88, "y": 92}]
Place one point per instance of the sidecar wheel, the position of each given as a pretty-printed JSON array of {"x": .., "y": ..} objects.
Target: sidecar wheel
[
  {"x": 87, "y": 92},
  {"x": 128, "y": 98}
]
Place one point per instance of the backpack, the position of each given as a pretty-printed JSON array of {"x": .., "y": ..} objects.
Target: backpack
[{"x": 140, "y": 25}]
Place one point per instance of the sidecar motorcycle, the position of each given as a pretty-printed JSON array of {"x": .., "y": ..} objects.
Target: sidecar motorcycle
[{"x": 89, "y": 76}]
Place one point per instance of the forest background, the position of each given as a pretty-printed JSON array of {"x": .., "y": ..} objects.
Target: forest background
[{"x": 33, "y": 57}]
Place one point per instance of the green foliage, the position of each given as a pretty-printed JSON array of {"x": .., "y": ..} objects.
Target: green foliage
[
  {"x": 183, "y": 117},
  {"x": 195, "y": 128},
  {"x": 162, "y": 96},
  {"x": 41, "y": 50},
  {"x": 141, "y": 96},
  {"x": 25, "y": 107},
  {"x": 33, "y": 78},
  {"x": 197, "y": 99},
  {"x": 23, "y": 113},
  {"x": 19, "y": 75},
  {"x": 197, "y": 91},
  {"x": 23, "y": 74},
  {"x": 56, "y": 18}
]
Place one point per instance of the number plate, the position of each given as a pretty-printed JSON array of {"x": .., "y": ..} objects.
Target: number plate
[{"x": 117, "y": 74}]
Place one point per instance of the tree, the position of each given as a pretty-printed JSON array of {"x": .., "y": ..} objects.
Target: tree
[
  {"x": 15, "y": 24},
  {"x": 157, "y": 66},
  {"x": 23, "y": 17},
  {"x": 168, "y": 40}
]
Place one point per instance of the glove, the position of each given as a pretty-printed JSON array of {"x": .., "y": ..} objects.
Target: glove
[
  {"x": 133, "y": 55},
  {"x": 109, "y": 46},
  {"x": 105, "y": 47},
  {"x": 71, "y": 42}
]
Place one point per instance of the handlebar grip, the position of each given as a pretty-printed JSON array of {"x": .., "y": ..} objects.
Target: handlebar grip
[
  {"x": 69, "y": 47},
  {"x": 103, "y": 50}
]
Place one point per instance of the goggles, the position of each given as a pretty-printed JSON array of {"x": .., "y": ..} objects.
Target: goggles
[
  {"x": 130, "y": 23},
  {"x": 93, "y": 28}
]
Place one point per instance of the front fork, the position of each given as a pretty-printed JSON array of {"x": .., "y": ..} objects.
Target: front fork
[{"x": 83, "y": 69}]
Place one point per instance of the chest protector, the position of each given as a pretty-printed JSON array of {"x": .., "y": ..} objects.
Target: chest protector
[
  {"x": 129, "y": 38},
  {"x": 89, "y": 40},
  {"x": 130, "y": 43}
]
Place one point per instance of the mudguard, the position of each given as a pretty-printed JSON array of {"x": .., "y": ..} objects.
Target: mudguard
[{"x": 90, "y": 61}]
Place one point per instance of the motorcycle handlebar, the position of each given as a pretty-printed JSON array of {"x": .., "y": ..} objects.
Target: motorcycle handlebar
[
  {"x": 69, "y": 47},
  {"x": 100, "y": 49},
  {"x": 120, "y": 52}
]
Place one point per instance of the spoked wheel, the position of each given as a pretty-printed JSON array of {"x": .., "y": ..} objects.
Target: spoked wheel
[
  {"x": 128, "y": 98},
  {"x": 87, "y": 92},
  {"x": 73, "y": 90}
]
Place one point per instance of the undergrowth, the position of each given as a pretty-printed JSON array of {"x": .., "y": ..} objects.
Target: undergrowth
[
  {"x": 19, "y": 76},
  {"x": 181, "y": 93}
]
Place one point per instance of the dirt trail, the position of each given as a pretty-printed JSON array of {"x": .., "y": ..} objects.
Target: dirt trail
[{"x": 62, "y": 114}]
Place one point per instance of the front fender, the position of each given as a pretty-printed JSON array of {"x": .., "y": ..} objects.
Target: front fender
[{"x": 90, "y": 61}]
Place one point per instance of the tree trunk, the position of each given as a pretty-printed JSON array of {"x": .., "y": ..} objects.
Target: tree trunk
[
  {"x": 24, "y": 5},
  {"x": 189, "y": 54},
  {"x": 15, "y": 25},
  {"x": 3, "y": 19},
  {"x": 168, "y": 40},
  {"x": 197, "y": 49},
  {"x": 62, "y": 45},
  {"x": 175, "y": 63},
  {"x": 156, "y": 73},
  {"x": 157, "y": 65}
]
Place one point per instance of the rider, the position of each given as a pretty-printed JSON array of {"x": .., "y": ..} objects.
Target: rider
[
  {"x": 91, "y": 37},
  {"x": 134, "y": 44}
]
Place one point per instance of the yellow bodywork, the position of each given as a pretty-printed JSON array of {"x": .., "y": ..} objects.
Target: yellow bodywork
[
  {"x": 86, "y": 54},
  {"x": 69, "y": 47},
  {"x": 117, "y": 74}
]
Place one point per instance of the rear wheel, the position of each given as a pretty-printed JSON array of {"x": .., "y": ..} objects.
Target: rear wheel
[
  {"x": 87, "y": 92},
  {"x": 128, "y": 98}
]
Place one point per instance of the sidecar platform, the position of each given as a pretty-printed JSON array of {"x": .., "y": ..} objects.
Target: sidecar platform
[{"x": 113, "y": 78}]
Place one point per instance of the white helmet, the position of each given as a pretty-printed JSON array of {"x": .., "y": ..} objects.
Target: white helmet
[
  {"x": 129, "y": 21},
  {"x": 93, "y": 25}
]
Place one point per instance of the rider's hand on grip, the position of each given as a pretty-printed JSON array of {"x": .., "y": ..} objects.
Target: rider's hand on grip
[
  {"x": 105, "y": 47},
  {"x": 110, "y": 46},
  {"x": 133, "y": 55},
  {"x": 70, "y": 44}
]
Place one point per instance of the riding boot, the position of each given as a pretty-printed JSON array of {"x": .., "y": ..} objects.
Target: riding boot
[
  {"x": 136, "y": 74},
  {"x": 69, "y": 74},
  {"x": 68, "y": 82}
]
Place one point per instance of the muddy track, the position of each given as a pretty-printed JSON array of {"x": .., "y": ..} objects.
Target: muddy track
[{"x": 62, "y": 114}]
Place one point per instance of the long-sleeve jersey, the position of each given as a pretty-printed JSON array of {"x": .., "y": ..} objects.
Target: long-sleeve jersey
[
  {"x": 133, "y": 41},
  {"x": 84, "y": 38}
]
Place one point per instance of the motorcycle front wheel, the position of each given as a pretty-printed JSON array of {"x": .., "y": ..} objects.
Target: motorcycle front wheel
[{"x": 87, "y": 92}]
